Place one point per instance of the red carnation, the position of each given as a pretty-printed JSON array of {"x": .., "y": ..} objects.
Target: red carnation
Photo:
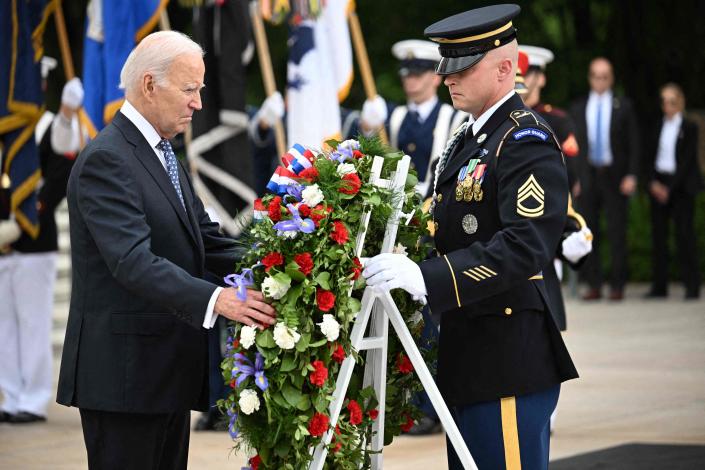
[
  {"x": 318, "y": 425},
  {"x": 340, "y": 233},
  {"x": 404, "y": 364},
  {"x": 320, "y": 374},
  {"x": 236, "y": 343},
  {"x": 357, "y": 269},
  {"x": 406, "y": 427},
  {"x": 255, "y": 461},
  {"x": 373, "y": 414},
  {"x": 339, "y": 354},
  {"x": 325, "y": 299},
  {"x": 272, "y": 259},
  {"x": 274, "y": 209},
  {"x": 232, "y": 383},
  {"x": 335, "y": 441},
  {"x": 358, "y": 154},
  {"x": 305, "y": 263},
  {"x": 259, "y": 206},
  {"x": 351, "y": 184},
  {"x": 304, "y": 210},
  {"x": 355, "y": 413},
  {"x": 309, "y": 173},
  {"x": 319, "y": 213}
]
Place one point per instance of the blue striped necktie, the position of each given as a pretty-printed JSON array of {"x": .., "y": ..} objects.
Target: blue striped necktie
[
  {"x": 597, "y": 152},
  {"x": 172, "y": 167}
]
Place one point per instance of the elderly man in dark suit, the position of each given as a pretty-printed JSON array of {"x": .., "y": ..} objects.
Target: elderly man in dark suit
[
  {"x": 674, "y": 179},
  {"x": 135, "y": 356},
  {"x": 608, "y": 140}
]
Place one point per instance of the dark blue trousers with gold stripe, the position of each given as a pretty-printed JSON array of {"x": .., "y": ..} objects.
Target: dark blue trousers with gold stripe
[{"x": 507, "y": 434}]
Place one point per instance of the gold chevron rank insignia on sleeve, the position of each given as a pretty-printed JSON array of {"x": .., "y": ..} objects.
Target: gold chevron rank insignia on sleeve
[
  {"x": 531, "y": 189},
  {"x": 479, "y": 273}
]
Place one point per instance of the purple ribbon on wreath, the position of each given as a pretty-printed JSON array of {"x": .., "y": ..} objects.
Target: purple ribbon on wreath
[
  {"x": 296, "y": 223},
  {"x": 244, "y": 368},
  {"x": 241, "y": 282}
]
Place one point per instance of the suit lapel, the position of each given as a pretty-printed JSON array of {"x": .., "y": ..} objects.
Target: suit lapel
[
  {"x": 151, "y": 163},
  {"x": 459, "y": 158}
]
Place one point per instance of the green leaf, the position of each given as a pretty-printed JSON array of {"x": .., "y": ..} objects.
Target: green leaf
[
  {"x": 374, "y": 200},
  {"x": 265, "y": 339},
  {"x": 283, "y": 278},
  {"x": 318, "y": 343},
  {"x": 304, "y": 403},
  {"x": 288, "y": 363},
  {"x": 323, "y": 280},
  {"x": 354, "y": 305},
  {"x": 320, "y": 403},
  {"x": 291, "y": 395},
  {"x": 302, "y": 344},
  {"x": 279, "y": 400},
  {"x": 292, "y": 269},
  {"x": 282, "y": 448},
  {"x": 411, "y": 180}
]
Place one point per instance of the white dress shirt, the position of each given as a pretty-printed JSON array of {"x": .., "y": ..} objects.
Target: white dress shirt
[
  {"x": 666, "y": 155},
  {"x": 424, "y": 109},
  {"x": 484, "y": 117},
  {"x": 604, "y": 103},
  {"x": 153, "y": 139}
]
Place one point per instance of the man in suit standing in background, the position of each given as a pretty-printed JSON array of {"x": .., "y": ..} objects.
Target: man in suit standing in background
[
  {"x": 674, "y": 179},
  {"x": 135, "y": 354},
  {"x": 608, "y": 140}
]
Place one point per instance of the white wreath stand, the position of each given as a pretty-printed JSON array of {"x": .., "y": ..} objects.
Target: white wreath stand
[{"x": 379, "y": 308}]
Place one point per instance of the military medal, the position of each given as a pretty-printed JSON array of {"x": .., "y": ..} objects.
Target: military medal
[
  {"x": 469, "y": 224},
  {"x": 461, "y": 189}
]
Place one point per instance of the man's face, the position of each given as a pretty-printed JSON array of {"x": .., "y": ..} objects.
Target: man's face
[
  {"x": 600, "y": 76},
  {"x": 670, "y": 102},
  {"x": 471, "y": 89},
  {"x": 180, "y": 95},
  {"x": 419, "y": 83}
]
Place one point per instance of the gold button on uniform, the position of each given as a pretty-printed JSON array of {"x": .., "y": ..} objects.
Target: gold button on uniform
[
  {"x": 508, "y": 311},
  {"x": 435, "y": 226},
  {"x": 439, "y": 197}
]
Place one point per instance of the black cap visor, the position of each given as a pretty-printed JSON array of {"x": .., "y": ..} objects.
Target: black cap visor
[{"x": 450, "y": 65}]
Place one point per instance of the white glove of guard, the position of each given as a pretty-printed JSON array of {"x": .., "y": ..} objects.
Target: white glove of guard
[
  {"x": 374, "y": 112},
  {"x": 9, "y": 232},
  {"x": 577, "y": 245},
  {"x": 272, "y": 109},
  {"x": 390, "y": 271},
  {"x": 72, "y": 95}
]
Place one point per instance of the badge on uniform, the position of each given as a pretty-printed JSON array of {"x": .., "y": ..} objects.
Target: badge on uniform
[{"x": 531, "y": 189}]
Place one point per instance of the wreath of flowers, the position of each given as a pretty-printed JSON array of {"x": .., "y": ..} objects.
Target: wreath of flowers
[{"x": 301, "y": 255}]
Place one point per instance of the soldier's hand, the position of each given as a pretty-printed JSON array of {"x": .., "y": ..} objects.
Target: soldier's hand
[
  {"x": 390, "y": 271},
  {"x": 254, "y": 311},
  {"x": 374, "y": 113},
  {"x": 271, "y": 111},
  {"x": 577, "y": 245},
  {"x": 72, "y": 94}
]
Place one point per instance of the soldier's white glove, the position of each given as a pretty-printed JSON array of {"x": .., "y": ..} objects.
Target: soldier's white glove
[
  {"x": 577, "y": 245},
  {"x": 9, "y": 232},
  {"x": 72, "y": 95},
  {"x": 272, "y": 109},
  {"x": 390, "y": 271},
  {"x": 374, "y": 112}
]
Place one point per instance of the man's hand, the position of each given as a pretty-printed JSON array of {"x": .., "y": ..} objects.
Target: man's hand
[
  {"x": 271, "y": 111},
  {"x": 628, "y": 185},
  {"x": 390, "y": 271},
  {"x": 577, "y": 245},
  {"x": 659, "y": 191},
  {"x": 9, "y": 232},
  {"x": 252, "y": 312},
  {"x": 374, "y": 113}
]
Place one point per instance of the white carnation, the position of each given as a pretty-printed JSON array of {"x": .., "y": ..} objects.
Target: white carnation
[
  {"x": 312, "y": 195},
  {"x": 350, "y": 143},
  {"x": 345, "y": 168},
  {"x": 400, "y": 249},
  {"x": 247, "y": 336},
  {"x": 249, "y": 401},
  {"x": 329, "y": 327},
  {"x": 274, "y": 288},
  {"x": 285, "y": 337},
  {"x": 416, "y": 317}
]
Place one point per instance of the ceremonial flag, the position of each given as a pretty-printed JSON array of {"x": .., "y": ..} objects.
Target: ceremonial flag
[
  {"x": 113, "y": 29},
  {"x": 22, "y": 24},
  {"x": 319, "y": 74}
]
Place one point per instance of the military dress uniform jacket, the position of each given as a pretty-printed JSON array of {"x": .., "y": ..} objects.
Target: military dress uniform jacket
[{"x": 497, "y": 336}]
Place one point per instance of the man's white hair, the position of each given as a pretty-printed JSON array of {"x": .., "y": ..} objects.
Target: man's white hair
[{"x": 153, "y": 55}]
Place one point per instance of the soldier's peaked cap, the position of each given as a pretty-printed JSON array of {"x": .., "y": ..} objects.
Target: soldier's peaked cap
[{"x": 465, "y": 38}]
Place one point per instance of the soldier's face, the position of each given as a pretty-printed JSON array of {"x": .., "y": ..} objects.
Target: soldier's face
[
  {"x": 180, "y": 96},
  {"x": 420, "y": 85},
  {"x": 471, "y": 89}
]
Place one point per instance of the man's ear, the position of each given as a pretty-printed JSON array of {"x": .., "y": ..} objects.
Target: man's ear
[
  {"x": 148, "y": 85},
  {"x": 504, "y": 70}
]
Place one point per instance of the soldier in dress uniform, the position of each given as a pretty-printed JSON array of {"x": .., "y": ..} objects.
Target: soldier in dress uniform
[
  {"x": 421, "y": 127},
  {"x": 500, "y": 204},
  {"x": 559, "y": 120}
]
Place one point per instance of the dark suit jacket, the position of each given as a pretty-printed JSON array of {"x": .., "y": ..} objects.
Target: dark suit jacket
[
  {"x": 688, "y": 177},
  {"x": 624, "y": 141},
  {"x": 134, "y": 339}
]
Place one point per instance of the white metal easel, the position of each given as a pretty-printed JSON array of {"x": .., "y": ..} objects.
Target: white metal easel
[{"x": 379, "y": 307}]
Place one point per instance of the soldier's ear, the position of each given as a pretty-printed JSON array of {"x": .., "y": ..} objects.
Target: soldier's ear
[{"x": 505, "y": 70}]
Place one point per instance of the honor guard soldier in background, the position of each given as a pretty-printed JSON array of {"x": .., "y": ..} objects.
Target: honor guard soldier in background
[
  {"x": 500, "y": 203},
  {"x": 559, "y": 120},
  {"x": 422, "y": 127}
]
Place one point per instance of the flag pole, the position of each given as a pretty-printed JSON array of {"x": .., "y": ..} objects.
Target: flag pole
[
  {"x": 67, "y": 60},
  {"x": 265, "y": 64},
  {"x": 363, "y": 62}
]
